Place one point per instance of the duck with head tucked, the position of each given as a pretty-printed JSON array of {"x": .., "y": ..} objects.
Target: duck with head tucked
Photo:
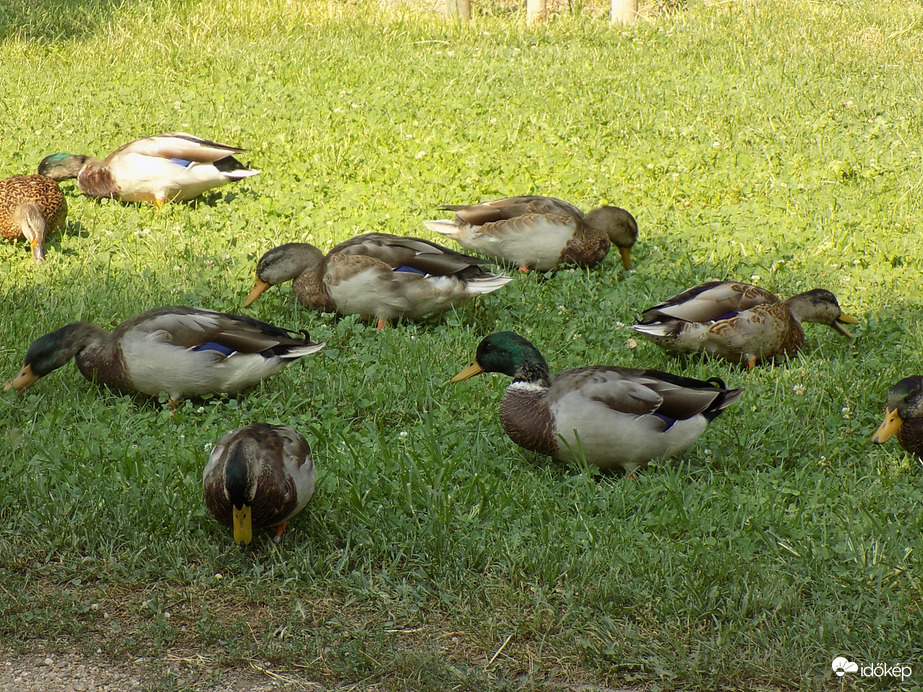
[
  {"x": 378, "y": 276},
  {"x": 739, "y": 322},
  {"x": 904, "y": 416},
  {"x": 183, "y": 351},
  {"x": 541, "y": 233},
  {"x": 31, "y": 207},
  {"x": 171, "y": 167},
  {"x": 610, "y": 416},
  {"x": 257, "y": 476}
]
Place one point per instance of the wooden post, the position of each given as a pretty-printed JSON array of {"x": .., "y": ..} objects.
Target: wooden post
[
  {"x": 536, "y": 11},
  {"x": 624, "y": 11},
  {"x": 458, "y": 9}
]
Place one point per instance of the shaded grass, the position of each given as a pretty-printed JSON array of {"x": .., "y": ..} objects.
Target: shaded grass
[{"x": 749, "y": 140}]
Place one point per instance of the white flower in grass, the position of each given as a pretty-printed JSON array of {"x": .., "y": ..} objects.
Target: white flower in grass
[
  {"x": 402, "y": 435},
  {"x": 799, "y": 389},
  {"x": 847, "y": 412},
  {"x": 209, "y": 446}
]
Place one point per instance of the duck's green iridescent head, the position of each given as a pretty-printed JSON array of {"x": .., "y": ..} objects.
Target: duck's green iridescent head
[
  {"x": 50, "y": 352},
  {"x": 62, "y": 166},
  {"x": 507, "y": 353},
  {"x": 905, "y": 402}
]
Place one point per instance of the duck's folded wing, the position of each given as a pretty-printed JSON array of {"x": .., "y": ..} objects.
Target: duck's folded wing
[
  {"x": 193, "y": 328},
  {"x": 179, "y": 145},
  {"x": 708, "y": 302},
  {"x": 511, "y": 208},
  {"x": 406, "y": 252}
]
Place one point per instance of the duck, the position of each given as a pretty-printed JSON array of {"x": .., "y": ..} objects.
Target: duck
[
  {"x": 377, "y": 276},
  {"x": 540, "y": 233},
  {"x": 613, "y": 417},
  {"x": 739, "y": 322},
  {"x": 180, "y": 350},
  {"x": 170, "y": 167},
  {"x": 31, "y": 207},
  {"x": 257, "y": 476},
  {"x": 904, "y": 416}
]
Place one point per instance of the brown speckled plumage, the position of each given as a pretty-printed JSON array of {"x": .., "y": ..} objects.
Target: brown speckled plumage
[
  {"x": 739, "y": 322},
  {"x": 21, "y": 194}
]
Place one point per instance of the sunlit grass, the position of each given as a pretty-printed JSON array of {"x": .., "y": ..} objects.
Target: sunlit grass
[{"x": 772, "y": 142}]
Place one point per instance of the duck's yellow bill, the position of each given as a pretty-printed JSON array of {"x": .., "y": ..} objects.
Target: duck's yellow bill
[
  {"x": 844, "y": 319},
  {"x": 259, "y": 286},
  {"x": 25, "y": 378},
  {"x": 470, "y": 371},
  {"x": 625, "y": 252},
  {"x": 890, "y": 426},
  {"x": 243, "y": 525}
]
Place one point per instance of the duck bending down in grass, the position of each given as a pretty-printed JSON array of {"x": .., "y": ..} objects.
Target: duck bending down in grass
[
  {"x": 170, "y": 167},
  {"x": 739, "y": 322},
  {"x": 540, "y": 233},
  {"x": 180, "y": 350},
  {"x": 31, "y": 207},
  {"x": 377, "y": 275},
  {"x": 257, "y": 476},
  {"x": 613, "y": 417},
  {"x": 904, "y": 416}
]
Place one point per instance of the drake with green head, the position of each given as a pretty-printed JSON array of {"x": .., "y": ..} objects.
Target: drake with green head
[
  {"x": 377, "y": 275},
  {"x": 183, "y": 351},
  {"x": 904, "y": 416},
  {"x": 257, "y": 476},
  {"x": 31, "y": 207},
  {"x": 739, "y": 322},
  {"x": 543, "y": 233},
  {"x": 171, "y": 167},
  {"x": 613, "y": 417}
]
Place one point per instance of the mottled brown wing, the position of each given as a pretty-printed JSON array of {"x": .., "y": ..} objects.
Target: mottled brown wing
[{"x": 709, "y": 301}]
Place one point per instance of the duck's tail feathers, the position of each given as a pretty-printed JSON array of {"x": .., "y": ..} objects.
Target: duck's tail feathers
[
  {"x": 487, "y": 283},
  {"x": 293, "y": 352},
  {"x": 657, "y": 329},
  {"x": 443, "y": 226},
  {"x": 722, "y": 401}
]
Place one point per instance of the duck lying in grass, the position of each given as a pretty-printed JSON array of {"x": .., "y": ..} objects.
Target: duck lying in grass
[
  {"x": 170, "y": 167},
  {"x": 540, "y": 233},
  {"x": 613, "y": 417},
  {"x": 904, "y": 416},
  {"x": 377, "y": 275},
  {"x": 31, "y": 207},
  {"x": 180, "y": 350},
  {"x": 739, "y": 322},
  {"x": 257, "y": 476}
]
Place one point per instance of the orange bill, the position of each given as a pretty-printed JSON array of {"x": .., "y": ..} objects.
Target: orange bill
[
  {"x": 259, "y": 286},
  {"x": 892, "y": 423},
  {"x": 25, "y": 378},
  {"x": 470, "y": 371}
]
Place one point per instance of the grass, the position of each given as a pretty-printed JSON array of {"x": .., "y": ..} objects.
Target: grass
[{"x": 778, "y": 142}]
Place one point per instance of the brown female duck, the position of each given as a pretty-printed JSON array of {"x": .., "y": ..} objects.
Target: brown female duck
[
  {"x": 540, "y": 233},
  {"x": 31, "y": 207}
]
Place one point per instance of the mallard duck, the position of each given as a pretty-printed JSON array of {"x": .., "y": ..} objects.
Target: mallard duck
[
  {"x": 171, "y": 167},
  {"x": 179, "y": 350},
  {"x": 613, "y": 417},
  {"x": 739, "y": 322},
  {"x": 258, "y": 475},
  {"x": 31, "y": 207},
  {"x": 904, "y": 416},
  {"x": 377, "y": 275},
  {"x": 539, "y": 232}
]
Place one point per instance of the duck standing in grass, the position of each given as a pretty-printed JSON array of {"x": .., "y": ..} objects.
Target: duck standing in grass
[
  {"x": 164, "y": 168},
  {"x": 739, "y": 322},
  {"x": 180, "y": 350},
  {"x": 377, "y": 275},
  {"x": 258, "y": 475},
  {"x": 540, "y": 233},
  {"x": 612, "y": 417},
  {"x": 904, "y": 416},
  {"x": 31, "y": 207}
]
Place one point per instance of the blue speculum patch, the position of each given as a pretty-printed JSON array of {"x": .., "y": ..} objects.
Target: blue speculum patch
[
  {"x": 182, "y": 162},
  {"x": 411, "y": 270},
  {"x": 212, "y": 346}
]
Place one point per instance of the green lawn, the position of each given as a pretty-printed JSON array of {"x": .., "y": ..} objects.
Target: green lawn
[{"x": 775, "y": 142}]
